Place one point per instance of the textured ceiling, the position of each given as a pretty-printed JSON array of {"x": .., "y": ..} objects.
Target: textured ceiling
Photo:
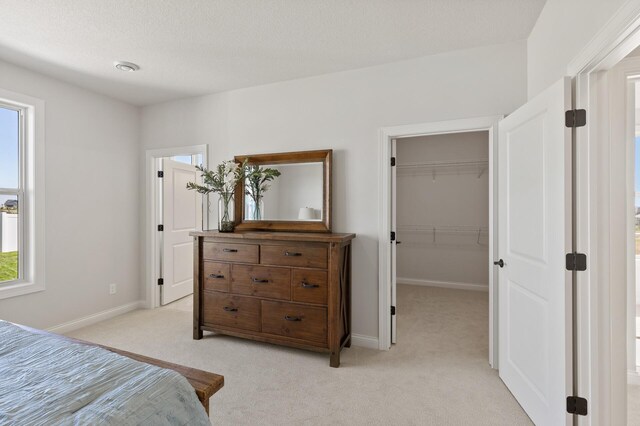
[{"x": 192, "y": 47}]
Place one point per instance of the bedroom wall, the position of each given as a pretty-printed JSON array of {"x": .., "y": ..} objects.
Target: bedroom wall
[
  {"x": 92, "y": 193},
  {"x": 345, "y": 111},
  {"x": 567, "y": 25}
]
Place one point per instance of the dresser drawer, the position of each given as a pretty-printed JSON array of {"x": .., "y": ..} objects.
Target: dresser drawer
[
  {"x": 231, "y": 311},
  {"x": 308, "y": 285},
  {"x": 230, "y": 252},
  {"x": 261, "y": 281},
  {"x": 293, "y": 320},
  {"x": 304, "y": 256},
  {"x": 217, "y": 276}
]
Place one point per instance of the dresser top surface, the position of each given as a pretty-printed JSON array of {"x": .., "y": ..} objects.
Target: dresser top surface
[{"x": 277, "y": 236}]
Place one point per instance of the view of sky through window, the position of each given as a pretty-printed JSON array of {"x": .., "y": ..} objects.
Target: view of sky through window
[{"x": 9, "y": 150}]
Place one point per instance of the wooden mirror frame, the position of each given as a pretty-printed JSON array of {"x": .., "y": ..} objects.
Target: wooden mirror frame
[{"x": 323, "y": 156}]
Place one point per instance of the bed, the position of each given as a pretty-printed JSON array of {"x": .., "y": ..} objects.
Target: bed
[{"x": 47, "y": 379}]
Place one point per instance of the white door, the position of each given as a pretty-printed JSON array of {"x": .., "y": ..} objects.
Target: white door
[
  {"x": 181, "y": 214},
  {"x": 534, "y": 160},
  {"x": 394, "y": 251}
]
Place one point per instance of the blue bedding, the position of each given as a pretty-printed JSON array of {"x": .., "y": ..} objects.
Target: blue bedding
[{"x": 48, "y": 381}]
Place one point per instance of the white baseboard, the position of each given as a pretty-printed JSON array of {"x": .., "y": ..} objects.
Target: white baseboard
[
  {"x": 633, "y": 378},
  {"x": 364, "y": 341},
  {"x": 444, "y": 284},
  {"x": 94, "y": 318}
]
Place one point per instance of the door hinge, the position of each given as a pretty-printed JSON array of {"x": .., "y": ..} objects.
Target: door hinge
[
  {"x": 575, "y": 118},
  {"x": 160, "y": 228},
  {"x": 393, "y": 236},
  {"x": 160, "y": 281},
  {"x": 577, "y": 405},
  {"x": 160, "y": 174},
  {"x": 393, "y": 161},
  {"x": 576, "y": 262},
  {"x": 393, "y": 310}
]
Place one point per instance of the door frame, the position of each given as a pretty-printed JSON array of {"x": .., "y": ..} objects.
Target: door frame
[
  {"x": 601, "y": 174},
  {"x": 489, "y": 124},
  {"x": 152, "y": 191},
  {"x": 621, "y": 81}
]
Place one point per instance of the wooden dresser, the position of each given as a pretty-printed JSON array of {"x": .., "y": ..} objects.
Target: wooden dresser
[{"x": 291, "y": 289}]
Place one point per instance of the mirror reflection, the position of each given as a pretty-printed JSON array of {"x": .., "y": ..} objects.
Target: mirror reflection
[{"x": 288, "y": 192}]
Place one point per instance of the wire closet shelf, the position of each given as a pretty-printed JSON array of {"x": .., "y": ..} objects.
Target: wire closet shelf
[
  {"x": 433, "y": 230},
  {"x": 477, "y": 167}
]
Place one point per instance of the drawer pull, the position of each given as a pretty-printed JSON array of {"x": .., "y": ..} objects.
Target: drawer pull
[
  {"x": 309, "y": 285},
  {"x": 292, "y": 253},
  {"x": 259, "y": 280},
  {"x": 230, "y": 250},
  {"x": 230, "y": 309},
  {"x": 216, "y": 276},
  {"x": 292, "y": 318}
]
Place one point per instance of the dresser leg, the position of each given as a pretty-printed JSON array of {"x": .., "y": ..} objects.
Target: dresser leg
[
  {"x": 335, "y": 359},
  {"x": 197, "y": 333}
]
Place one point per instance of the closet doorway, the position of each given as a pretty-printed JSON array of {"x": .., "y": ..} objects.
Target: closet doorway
[{"x": 440, "y": 196}]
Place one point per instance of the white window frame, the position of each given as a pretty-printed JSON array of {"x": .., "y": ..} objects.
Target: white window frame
[{"x": 30, "y": 194}]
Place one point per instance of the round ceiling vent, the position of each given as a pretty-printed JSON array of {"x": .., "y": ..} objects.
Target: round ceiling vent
[{"x": 126, "y": 66}]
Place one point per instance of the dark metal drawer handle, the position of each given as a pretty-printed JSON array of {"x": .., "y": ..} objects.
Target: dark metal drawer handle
[
  {"x": 230, "y": 250},
  {"x": 230, "y": 309},
  {"x": 216, "y": 276},
  {"x": 292, "y": 253},
  {"x": 259, "y": 280},
  {"x": 308, "y": 285},
  {"x": 292, "y": 318}
]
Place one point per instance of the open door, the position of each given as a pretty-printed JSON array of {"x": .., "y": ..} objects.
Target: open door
[
  {"x": 535, "y": 344},
  {"x": 181, "y": 214},
  {"x": 394, "y": 242}
]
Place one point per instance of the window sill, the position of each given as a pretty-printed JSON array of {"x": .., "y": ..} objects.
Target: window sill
[{"x": 19, "y": 288}]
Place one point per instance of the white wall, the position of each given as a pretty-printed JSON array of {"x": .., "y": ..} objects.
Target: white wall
[
  {"x": 8, "y": 232},
  {"x": 345, "y": 111},
  {"x": 563, "y": 29},
  {"x": 92, "y": 202},
  {"x": 456, "y": 197}
]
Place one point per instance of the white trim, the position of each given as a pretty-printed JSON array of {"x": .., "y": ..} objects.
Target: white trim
[
  {"x": 96, "y": 318},
  {"x": 630, "y": 110},
  {"x": 601, "y": 325},
  {"x": 633, "y": 378},
  {"x": 612, "y": 43},
  {"x": 152, "y": 189},
  {"x": 362, "y": 341},
  {"x": 444, "y": 284},
  {"x": 384, "y": 207},
  {"x": 33, "y": 203}
]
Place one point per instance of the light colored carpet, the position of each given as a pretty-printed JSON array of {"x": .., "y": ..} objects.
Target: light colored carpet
[{"x": 437, "y": 374}]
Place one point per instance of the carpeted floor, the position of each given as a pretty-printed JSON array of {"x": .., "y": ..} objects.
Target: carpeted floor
[{"x": 437, "y": 374}]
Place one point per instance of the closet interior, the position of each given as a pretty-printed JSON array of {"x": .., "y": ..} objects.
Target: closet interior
[{"x": 442, "y": 210}]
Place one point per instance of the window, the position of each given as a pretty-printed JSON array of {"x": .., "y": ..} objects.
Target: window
[
  {"x": 195, "y": 159},
  {"x": 11, "y": 193},
  {"x": 21, "y": 194}
]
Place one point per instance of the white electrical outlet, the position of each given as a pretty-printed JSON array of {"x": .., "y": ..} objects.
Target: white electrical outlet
[{"x": 113, "y": 288}]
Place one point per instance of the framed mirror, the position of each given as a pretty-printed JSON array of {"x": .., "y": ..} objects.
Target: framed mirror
[{"x": 288, "y": 191}]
